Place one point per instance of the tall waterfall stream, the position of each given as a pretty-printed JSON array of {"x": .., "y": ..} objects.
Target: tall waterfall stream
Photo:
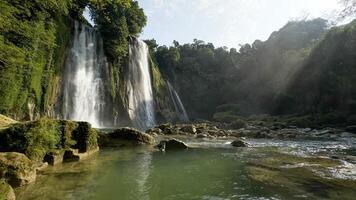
[
  {"x": 84, "y": 96},
  {"x": 139, "y": 87},
  {"x": 83, "y": 91}
]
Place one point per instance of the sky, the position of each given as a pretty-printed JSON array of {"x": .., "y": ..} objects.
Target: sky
[{"x": 226, "y": 22}]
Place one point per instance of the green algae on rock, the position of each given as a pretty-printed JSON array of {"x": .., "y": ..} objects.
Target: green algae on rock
[
  {"x": 37, "y": 138},
  {"x": 17, "y": 169},
  {"x": 6, "y": 191},
  {"x": 125, "y": 136}
]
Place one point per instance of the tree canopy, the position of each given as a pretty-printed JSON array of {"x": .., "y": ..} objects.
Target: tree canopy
[{"x": 117, "y": 20}]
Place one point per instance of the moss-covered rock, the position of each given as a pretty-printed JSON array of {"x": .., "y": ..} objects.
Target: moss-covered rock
[
  {"x": 38, "y": 138},
  {"x": 33, "y": 41},
  {"x": 238, "y": 124},
  {"x": 238, "y": 143},
  {"x": 85, "y": 137},
  {"x": 17, "y": 169},
  {"x": 124, "y": 136},
  {"x": 6, "y": 191}
]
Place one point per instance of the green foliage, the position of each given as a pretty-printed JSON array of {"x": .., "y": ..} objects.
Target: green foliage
[
  {"x": 41, "y": 137},
  {"x": 327, "y": 81},
  {"x": 85, "y": 137},
  {"x": 116, "y": 21},
  {"x": 37, "y": 138},
  {"x": 27, "y": 42},
  {"x": 34, "y": 38},
  {"x": 302, "y": 68},
  {"x": 32, "y": 138}
]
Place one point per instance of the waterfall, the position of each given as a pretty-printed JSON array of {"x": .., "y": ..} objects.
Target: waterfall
[
  {"x": 83, "y": 85},
  {"x": 178, "y": 105},
  {"x": 138, "y": 86}
]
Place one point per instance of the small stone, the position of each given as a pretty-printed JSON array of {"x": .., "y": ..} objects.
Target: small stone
[
  {"x": 189, "y": 129},
  {"x": 154, "y": 131}
]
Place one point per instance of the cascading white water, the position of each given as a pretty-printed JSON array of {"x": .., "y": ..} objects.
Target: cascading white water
[
  {"x": 139, "y": 88},
  {"x": 178, "y": 105},
  {"x": 84, "y": 96}
]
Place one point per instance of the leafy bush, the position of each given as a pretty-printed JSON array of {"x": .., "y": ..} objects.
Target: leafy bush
[
  {"x": 129, "y": 20},
  {"x": 34, "y": 139},
  {"x": 43, "y": 136},
  {"x": 37, "y": 138},
  {"x": 28, "y": 34}
]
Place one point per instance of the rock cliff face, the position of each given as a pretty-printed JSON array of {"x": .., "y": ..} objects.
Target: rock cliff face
[
  {"x": 30, "y": 76},
  {"x": 110, "y": 94},
  {"x": 50, "y": 40},
  {"x": 53, "y": 102}
]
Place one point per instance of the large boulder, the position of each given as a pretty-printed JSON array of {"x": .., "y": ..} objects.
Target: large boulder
[
  {"x": 17, "y": 169},
  {"x": 172, "y": 144},
  {"x": 239, "y": 143},
  {"x": 123, "y": 136},
  {"x": 38, "y": 138},
  {"x": 6, "y": 191}
]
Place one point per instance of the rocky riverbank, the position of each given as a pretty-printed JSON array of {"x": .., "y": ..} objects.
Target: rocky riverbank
[
  {"x": 251, "y": 129},
  {"x": 29, "y": 147}
]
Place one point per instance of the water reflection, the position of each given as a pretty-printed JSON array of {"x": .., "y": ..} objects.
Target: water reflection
[{"x": 269, "y": 170}]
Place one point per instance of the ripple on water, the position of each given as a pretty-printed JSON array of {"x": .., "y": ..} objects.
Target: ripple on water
[{"x": 268, "y": 170}]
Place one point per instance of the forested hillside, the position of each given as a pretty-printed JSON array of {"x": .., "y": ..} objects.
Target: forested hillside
[
  {"x": 251, "y": 78},
  {"x": 327, "y": 81}
]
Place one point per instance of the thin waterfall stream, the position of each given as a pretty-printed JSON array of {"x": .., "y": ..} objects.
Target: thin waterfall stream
[{"x": 177, "y": 102}]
